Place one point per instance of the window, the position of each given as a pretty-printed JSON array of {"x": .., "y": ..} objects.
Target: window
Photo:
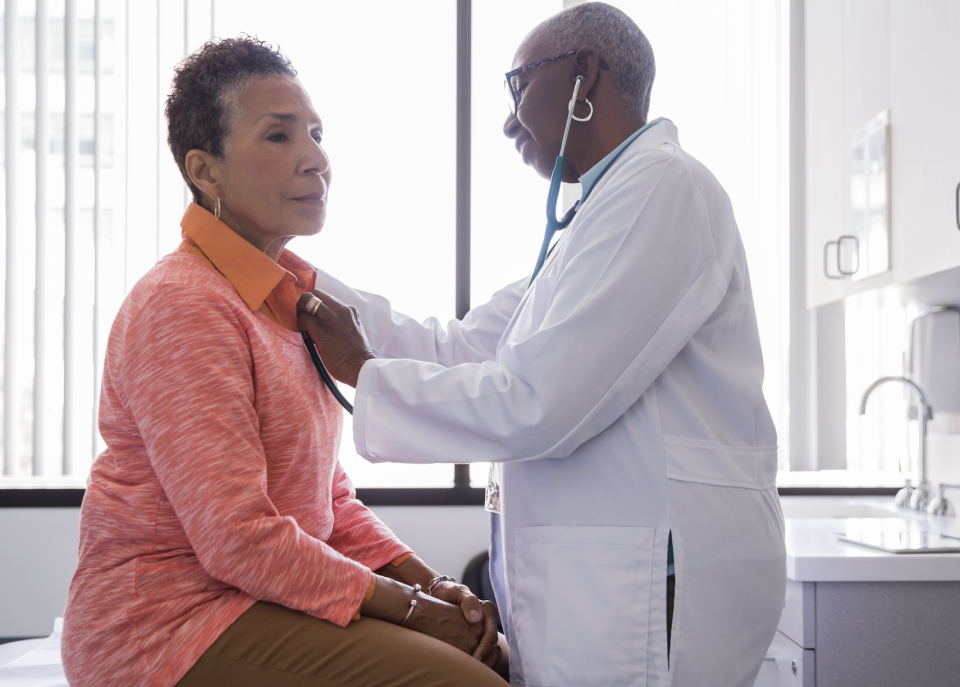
[
  {"x": 61, "y": 152},
  {"x": 92, "y": 197}
]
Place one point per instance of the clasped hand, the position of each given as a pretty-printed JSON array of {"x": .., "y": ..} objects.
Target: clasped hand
[
  {"x": 452, "y": 614},
  {"x": 460, "y": 619}
]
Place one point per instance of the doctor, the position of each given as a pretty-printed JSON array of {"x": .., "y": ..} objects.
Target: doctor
[{"x": 619, "y": 392}]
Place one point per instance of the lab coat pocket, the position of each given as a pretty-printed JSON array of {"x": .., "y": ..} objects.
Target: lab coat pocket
[{"x": 582, "y": 605}]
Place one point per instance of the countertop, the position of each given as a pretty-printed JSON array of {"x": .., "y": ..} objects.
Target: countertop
[{"x": 815, "y": 554}]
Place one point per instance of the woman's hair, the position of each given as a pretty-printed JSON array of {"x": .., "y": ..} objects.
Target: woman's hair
[{"x": 206, "y": 87}]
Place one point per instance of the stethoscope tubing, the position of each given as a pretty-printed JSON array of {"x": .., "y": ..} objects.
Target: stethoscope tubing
[
  {"x": 322, "y": 370},
  {"x": 555, "y": 224}
]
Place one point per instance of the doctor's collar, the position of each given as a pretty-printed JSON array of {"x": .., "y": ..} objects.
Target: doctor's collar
[{"x": 594, "y": 174}]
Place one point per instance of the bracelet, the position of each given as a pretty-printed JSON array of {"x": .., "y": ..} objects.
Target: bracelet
[
  {"x": 437, "y": 580},
  {"x": 413, "y": 604}
]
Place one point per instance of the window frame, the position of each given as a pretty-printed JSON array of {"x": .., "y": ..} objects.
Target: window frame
[{"x": 377, "y": 497}]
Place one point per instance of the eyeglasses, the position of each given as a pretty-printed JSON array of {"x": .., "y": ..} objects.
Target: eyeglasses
[{"x": 513, "y": 95}]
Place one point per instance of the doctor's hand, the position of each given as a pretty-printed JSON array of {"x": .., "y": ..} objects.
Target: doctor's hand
[{"x": 338, "y": 335}]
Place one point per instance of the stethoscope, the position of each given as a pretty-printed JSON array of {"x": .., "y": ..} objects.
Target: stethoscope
[
  {"x": 554, "y": 224},
  {"x": 324, "y": 375}
]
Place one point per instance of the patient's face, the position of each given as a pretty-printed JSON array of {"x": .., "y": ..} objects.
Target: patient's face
[{"x": 275, "y": 174}]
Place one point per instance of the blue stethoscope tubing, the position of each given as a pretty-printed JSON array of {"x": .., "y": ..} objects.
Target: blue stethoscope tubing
[
  {"x": 324, "y": 375},
  {"x": 553, "y": 223}
]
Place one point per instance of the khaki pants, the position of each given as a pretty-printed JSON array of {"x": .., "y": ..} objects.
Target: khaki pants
[{"x": 273, "y": 646}]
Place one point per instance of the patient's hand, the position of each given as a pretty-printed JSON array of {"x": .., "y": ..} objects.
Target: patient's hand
[
  {"x": 482, "y": 613},
  {"x": 445, "y": 621},
  {"x": 431, "y": 616},
  {"x": 338, "y": 335}
]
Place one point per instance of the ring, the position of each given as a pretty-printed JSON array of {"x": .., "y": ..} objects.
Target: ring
[{"x": 313, "y": 305}]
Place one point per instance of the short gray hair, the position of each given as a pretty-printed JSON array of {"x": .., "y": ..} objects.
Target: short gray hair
[{"x": 616, "y": 36}]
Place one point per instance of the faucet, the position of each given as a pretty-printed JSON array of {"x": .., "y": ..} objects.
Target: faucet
[
  {"x": 920, "y": 495},
  {"x": 938, "y": 504}
]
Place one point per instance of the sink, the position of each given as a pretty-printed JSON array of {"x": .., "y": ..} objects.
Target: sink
[{"x": 837, "y": 510}]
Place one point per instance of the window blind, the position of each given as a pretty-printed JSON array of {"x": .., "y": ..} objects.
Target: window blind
[{"x": 84, "y": 88}]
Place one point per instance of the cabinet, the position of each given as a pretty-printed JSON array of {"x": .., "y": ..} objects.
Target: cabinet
[
  {"x": 786, "y": 665},
  {"x": 825, "y": 144},
  {"x": 864, "y": 57},
  {"x": 864, "y": 634},
  {"x": 925, "y": 126}
]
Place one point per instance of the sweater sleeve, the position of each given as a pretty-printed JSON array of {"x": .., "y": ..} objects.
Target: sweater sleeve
[
  {"x": 185, "y": 375},
  {"x": 357, "y": 532}
]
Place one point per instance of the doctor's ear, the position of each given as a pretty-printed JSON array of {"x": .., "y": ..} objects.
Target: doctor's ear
[{"x": 586, "y": 65}]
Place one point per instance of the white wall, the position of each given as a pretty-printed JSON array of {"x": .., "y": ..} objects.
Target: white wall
[{"x": 38, "y": 554}]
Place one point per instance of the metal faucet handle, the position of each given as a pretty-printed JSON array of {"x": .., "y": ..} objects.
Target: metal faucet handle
[
  {"x": 902, "y": 499},
  {"x": 939, "y": 505}
]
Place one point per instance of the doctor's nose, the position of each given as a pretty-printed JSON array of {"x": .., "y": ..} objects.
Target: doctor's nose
[{"x": 512, "y": 126}]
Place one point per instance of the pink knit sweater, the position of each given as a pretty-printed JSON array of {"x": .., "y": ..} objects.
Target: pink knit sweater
[{"x": 220, "y": 485}]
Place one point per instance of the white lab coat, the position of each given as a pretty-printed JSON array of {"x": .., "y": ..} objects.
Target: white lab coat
[{"x": 622, "y": 394}]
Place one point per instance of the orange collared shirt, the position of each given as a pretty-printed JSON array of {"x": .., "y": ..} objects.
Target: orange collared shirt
[{"x": 271, "y": 287}]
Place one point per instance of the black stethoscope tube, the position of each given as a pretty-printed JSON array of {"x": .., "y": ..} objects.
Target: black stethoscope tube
[{"x": 324, "y": 375}]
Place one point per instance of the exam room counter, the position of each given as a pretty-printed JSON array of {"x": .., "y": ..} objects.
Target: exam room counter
[
  {"x": 815, "y": 554},
  {"x": 858, "y": 616}
]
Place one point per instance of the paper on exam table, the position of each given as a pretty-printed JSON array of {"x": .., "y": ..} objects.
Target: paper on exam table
[{"x": 40, "y": 667}]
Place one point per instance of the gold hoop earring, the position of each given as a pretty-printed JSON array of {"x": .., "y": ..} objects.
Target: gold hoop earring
[{"x": 216, "y": 210}]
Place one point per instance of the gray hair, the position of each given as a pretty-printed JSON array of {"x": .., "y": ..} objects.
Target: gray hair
[{"x": 619, "y": 40}]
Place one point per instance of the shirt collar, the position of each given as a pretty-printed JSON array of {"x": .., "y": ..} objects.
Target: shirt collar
[
  {"x": 593, "y": 175},
  {"x": 248, "y": 269}
]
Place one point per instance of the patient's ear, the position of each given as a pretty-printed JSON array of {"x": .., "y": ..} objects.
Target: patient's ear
[{"x": 202, "y": 169}]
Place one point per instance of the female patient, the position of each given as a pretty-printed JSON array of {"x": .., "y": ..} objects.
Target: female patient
[{"x": 221, "y": 541}]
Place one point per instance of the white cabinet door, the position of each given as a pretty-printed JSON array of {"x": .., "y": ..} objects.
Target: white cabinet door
[
  {"x": 925, "y": 135},
  {"x": 825, "y": 144},
  {"x": 847, "y": 83}
]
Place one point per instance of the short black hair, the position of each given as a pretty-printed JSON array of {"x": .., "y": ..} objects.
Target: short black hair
[{"x": 198, "y": 107}]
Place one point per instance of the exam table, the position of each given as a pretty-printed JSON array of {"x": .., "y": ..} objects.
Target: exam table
[{"x": 33, "y": 662}]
